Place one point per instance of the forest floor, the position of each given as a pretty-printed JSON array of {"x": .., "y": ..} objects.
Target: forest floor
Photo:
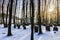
[{"x": 20, "y": 34}]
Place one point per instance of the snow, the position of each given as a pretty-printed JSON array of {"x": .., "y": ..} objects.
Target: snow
[{"x": 20, "y": 34}]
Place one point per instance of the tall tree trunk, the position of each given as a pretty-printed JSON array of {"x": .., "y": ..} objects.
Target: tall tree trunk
[
  {"x": 43, "y": 13},
  {"x": 32, "y": 19},
  {"x": 26, "y": 10},
  {"x": 3, "y": 13},
  {"x": 57, "y": 13},
  {"x": 7, "y": 14},
  {"x": 39, "y": 18},
  {"x": 47, "y": 25},
  {"x": 24, "y": 14},
  {"x": 18, "y": 18},
  {"x": 15, "y": 14},
  {"x": 10, "y": 17},
  {"x": 30, "y": 11}
]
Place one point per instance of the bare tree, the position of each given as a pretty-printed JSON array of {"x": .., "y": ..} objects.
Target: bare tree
[
  {"x": 3, "y": 13},
  {"x": 39, "y": 18},
  {"x": 30, "y": 11},
  {"x": 55, "y": 25},
  {"x": 43, "y": 12},
  {"x": 10, "y": 17},
  {"x": 26, "y": 10},
  {"x": 7, "y": 13},
  {"x": 15, "y": 14},
  {"x": 57, "y": 13},
  {"x": 24, "y": 14},
  {"x": 32, "y": 19},
  {"x": 47, "y": 25}
]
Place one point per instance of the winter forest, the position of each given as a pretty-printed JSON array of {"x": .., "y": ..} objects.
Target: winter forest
[{"x": 29, "y": 19}]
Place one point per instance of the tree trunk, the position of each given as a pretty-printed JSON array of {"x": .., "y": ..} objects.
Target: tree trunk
[
  {"x": 47, "y": 24},
  {"x": 39, "y": 18},
  {"x": 43, "y": 13},
  {"x": 3, "y": 13},
  {"x": 26, "y": 10},
  {"x": 24, "y": 14},
  {"x": 7, "y": 14},
  {"x": 10, "y": 17},
  {"x": 14, "y": 15},
  {"x": 30, "y": 12},
  {"x": 32, "y": 19},
  {"x": 57, "y": 13}
]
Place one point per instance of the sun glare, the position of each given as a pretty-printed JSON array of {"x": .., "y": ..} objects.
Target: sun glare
[{"x": 50, "y": 10}]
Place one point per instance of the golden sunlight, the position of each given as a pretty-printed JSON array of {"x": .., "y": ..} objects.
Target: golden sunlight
[{"x": 50, "y": 10}]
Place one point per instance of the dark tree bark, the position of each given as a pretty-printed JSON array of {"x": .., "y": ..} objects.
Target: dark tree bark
[
  {"x": 30, "y": 11},
  {"x": 7, "y": 14},
  {"x": 47, "y": 25},
  {"x": 57, "y": 13},
  {"x": 55, "y": 25},
  {"x": 15, "y": 14},
  {"x": 10, "y": 17},
  {"x": 39, "y": 18},
  {"x": 32, "y": 19},
  {"x": 24, "y": 14},
  {"x": 43, "y": 13},
  {"x": 3, "y": 13},
  {"x": 26, "y": 10}
]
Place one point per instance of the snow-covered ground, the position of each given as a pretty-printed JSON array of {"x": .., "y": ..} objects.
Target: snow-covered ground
[{"x": 20, "y": 34}]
